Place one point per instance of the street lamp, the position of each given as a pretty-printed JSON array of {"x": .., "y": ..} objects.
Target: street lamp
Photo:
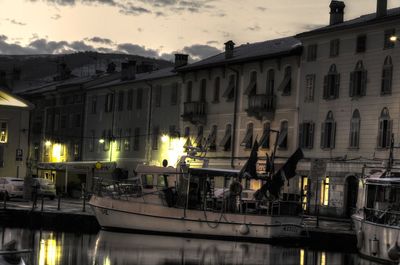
[{"x": 393, "y": 38}]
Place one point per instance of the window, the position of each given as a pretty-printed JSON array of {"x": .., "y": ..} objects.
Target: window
[
  {"x": 94, "y": 104},
  {"x": 174, "y": 94},
  {"x": 325, "y": 192},
  {"x": 189, "y": 91},
  {"x": 264, "y": 141},
  {"x": 334, "y": 48},
  {"x": 312, "y": 52},
  {"x": 187, "y": 136},
  {"x": 109, "y": 102},
  {"x": 36, "y": 151},
  {"x": 118, "y": 140},
  {"x": 155, "y": 136},
  {"x": 129, "y": 104},
  {"x": 77, "y": 120},
  {"x": 283, "y": 135},
  {"x": 63, "y": 121},
  {"x": 252, "y": 86},
  {"x": 76, "y": 151},
  {"x": 212, "y": 139},
  {"x": 56, "y": 122},
  {"x": 136, "y": 143},
  {"x": 270, "y": 82},
  {"x": 199, "y": 138},
  {"x": 157, "y": 96},
  {"x": 1, "y": 156},
  {"x": 387, "y": 44},
  {"x": 229, "y": 93},
  {"x": 385, "y": 129},
  {"x": 331, "y": 83},
  {"x": 355, "y": 130},
  {"x": 91, "y": 140},
  {"x": 120, "y": 100},
  {"x": 127, "y": 140},
  {"x": 328, "y": 132},
  {"x": 217, "y": 84},
  {"x": 226, "y": 141},
  {"x": 387, "y": 73},
  {"x": 3, "y": 132},
  {"x": 358, "y": 81},
  {"x": 139, "y": 98},
  {"x": 306, "y": 135},
  {"x": 248, "y": 138},
  {"x": 361, "y": 45},
  {"x": 310, "y": 87},
  {"x": 286, "y": 85},
  {"x": 203, "y": 90}
]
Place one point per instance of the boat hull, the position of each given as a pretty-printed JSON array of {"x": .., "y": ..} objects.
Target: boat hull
[
  {"x": 141, "y": 216},
  {"x": 383, "y": 236}
]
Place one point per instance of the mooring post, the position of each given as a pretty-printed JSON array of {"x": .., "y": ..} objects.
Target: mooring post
[
  {"x": 42, "y": 203},
  {"x": 83, "y": 190},
  {"x": 4, "y": 200},
  {"x": 59, "y": 202}
]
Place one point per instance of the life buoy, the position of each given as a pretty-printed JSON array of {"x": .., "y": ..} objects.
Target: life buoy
[
  {"x": 244, "y": 229},
  {"x": 394, "y": 252},
  {"x": 235, "y": 188},
  {"x": 360, "y": 239}
]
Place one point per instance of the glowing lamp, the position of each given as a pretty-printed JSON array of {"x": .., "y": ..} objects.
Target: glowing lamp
[
  {"x": 47, "y": 143},
  {"x": 164, "y": 138},
  {"x": 101, "y": 141},
  {"x": 393, "y": 38}
]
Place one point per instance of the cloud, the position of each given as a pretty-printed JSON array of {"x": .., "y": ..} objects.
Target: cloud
[
  {"x": 136, "y": 49},
  {"x": 47, "y": 47},
  {"x": 15, "y": 22},
  {"x": 200, "y": 51},
  {"x": 212, "y": 42},
  {"x": 100, "y": 40},
  {"x": 3, "y": 37},
  {"x": 56, "y": 17},
  {"x": 261, "y": 8},
  {"x": 130, "y": 9},
  {"x": 73, "y": 2}
]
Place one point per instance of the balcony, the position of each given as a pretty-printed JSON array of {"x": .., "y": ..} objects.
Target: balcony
[
  {"x": 261, "y": 106},
  {"x": 195, "y": 112}
]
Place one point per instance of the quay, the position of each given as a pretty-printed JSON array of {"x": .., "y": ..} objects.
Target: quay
[{"x": 72, "y": 215}]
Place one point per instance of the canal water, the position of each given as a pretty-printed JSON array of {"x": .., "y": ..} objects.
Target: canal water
[{"x": 110, "y": 248}]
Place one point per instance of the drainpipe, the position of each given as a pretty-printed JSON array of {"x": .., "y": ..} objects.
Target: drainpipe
[
  {"x": 149, "y": 122},
  {"x": 235, "y": 109}
]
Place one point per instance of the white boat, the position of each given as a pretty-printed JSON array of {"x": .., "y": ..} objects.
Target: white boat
[
  {"x": 197, "y": 202},
  {"x": 377, "y": 217}
]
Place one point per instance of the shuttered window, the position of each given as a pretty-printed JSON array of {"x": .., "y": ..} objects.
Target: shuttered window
[
  {"x": 217, "y": 84},
  {"x": 230, "y": 90},
  {"x": 306, "y": 135},
  {"x": 355, "y": 130},
  {"x": 385, "y": 129},
  {"x": 331, "y": 83},
  {"x": 252, "y": 86},
  {"x": 328, "y": 132},
  {"x": 358, "y": 81},
  {"x": 264, "y": 140},
  {"x": 247, "y": 141},
  {"x": 212, "y": 139},
  {"x": 286, "y": 85},
  {"x": 226, "y": 141},
  {"x": 387, "y": 75},
  {"x": 189, "y": 91}
]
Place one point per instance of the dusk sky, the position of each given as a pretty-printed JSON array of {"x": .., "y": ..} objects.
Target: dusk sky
[{"x": 158, "y": 28}]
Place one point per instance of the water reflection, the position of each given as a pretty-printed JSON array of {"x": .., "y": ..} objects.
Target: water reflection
[{"x": 108, "y": 248}]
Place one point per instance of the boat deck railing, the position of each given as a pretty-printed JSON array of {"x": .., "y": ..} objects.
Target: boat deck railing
[
  {"x": 117, "y": 189},
  {"x": 385, "y": 217}
]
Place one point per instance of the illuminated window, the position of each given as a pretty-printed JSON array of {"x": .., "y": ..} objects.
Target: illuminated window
[
  {"x": 323, "y": 258},
  {"x": 3, "y": 132},
  {"x": 127, "y": 140},
  {"x": 119, "y": 139},
  {"x": 325, "y": 192},
  {"x": 76, "y": 151}
]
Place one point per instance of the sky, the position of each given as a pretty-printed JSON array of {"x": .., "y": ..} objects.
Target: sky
[{"x": 158, "y": 28}]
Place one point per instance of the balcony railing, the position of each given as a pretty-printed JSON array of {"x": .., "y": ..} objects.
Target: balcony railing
[
  {"x": 261, "y": 105},
  {"x": 195, "y": 112}
]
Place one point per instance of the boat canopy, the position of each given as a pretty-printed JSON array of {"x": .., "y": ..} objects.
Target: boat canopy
[
  {"x": 146, "y": 169},
  {"x": 210, "y": 172}
]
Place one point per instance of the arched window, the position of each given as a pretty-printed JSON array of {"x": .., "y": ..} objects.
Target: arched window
[
  {"x": 358, "y": 81},
  {"x": 387, "y": 73},
  {"x": 248, "y": 138},
  {"x": 212, "y": 138},
  {"x": 217, "y": 85},
  {"x": 270, "y": 82},
  {"x": 226, "y": 141},
  {"x": 355, "y": 129},
  {"x": 199, "y": 138},
  {"x": 283, "y": 135},
  {"x": 328, "y": 132},
  {"x": 331, "y": 83},
  {"x": 203, "y": 90},
  {"x": 286, "y": 85},
  {"x": 264, "y": 141},
  {"x": 189, "y": 91},
  {"x": 252, "y": 87},
  {"x": 385, "y": 129}
]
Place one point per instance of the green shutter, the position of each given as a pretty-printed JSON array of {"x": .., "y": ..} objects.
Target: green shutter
[
  {"x": 325, "y": 92},
  {"x": 351, "y": 89}
]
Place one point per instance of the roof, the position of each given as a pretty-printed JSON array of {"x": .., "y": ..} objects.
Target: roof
[
  {"x": 356, "y": 22},
  {"x": 8, "y": 99},
  {"x": 157, "y": 74},
  {"x": 248, "y": 52}
]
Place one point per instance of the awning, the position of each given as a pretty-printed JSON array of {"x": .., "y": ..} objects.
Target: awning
[{"x": 82, "y": 166}]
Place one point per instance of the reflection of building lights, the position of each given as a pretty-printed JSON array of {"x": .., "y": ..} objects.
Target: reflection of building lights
[
  {"x": 47, "y": 143},
  {"x": 107, "y": 261},
  {"x": 302, "y": 257},
  {"x": 49, "y": 253},
  {"x": 164, "y": 138},
  {"x": 101, "y": 141}
]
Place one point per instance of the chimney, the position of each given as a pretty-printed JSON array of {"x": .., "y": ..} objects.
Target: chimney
[
  {"x": 337, "y": 12},
  {"x": 381, "y": 8},
  {"x": 128, "y": 70},
  {"x": 181, "y": 60},
  {"x": 145, "y": 67},
  {"x": 229, "y": 46}
]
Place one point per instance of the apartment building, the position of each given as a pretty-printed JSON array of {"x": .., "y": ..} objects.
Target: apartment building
[
  {"x": 243, "y": 94},
  {"x": 349, "y": 104}
]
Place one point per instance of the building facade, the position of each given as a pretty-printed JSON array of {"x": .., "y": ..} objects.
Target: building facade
[{"x": 348, "y": 104}]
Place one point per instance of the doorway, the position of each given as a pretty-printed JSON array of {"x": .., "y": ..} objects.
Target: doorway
[{"x": 352, "y": 191}]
